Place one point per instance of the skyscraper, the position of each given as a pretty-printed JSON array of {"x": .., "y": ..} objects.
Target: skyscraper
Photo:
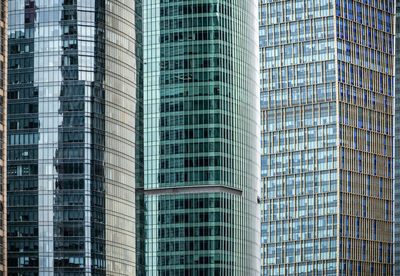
[
  {"x": 327, "y": 137},
  {"x": 397, "y": 149},
  {"x": 3, "y": 133},
  {"x": 74, "y": 136},
  {"x": 201, "y": 137}
]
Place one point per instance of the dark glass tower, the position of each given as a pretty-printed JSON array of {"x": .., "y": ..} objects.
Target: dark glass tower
[
  {"x": 3, "y": 133},
  {"x": 201, "y": 137},
  {"x": 75, "y": 137},
  {"x": 327, "y": 109}
]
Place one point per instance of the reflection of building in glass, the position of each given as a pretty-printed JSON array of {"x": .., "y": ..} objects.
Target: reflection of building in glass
[
  {"x": 201, "y": 131},
  {"x": 327, "y": 137},
  {"x": 74, "y": 136}
]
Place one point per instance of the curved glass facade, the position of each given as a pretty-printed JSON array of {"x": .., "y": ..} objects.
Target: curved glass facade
[
  {"x": 74, "y": 159},
  {"x": 201, "y": 137}
]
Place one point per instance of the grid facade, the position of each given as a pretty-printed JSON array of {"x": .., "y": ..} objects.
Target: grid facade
[
  {"x": 327, "y": 136},
  {"x": 201, "y": 137},
  {"x": 397, "y": 148},
  {"x": 73, "y": 133},
  {"x": 3, "y": 135}
]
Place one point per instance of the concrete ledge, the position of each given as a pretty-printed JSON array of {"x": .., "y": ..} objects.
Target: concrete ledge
[{"x": 193, "y": 190}]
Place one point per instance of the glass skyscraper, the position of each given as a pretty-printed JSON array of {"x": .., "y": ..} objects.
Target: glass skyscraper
[
  {"x": 397, "y": 148},
  {"x": 3, "y": 133},
  {"x": 201, "y": 137},
  {"x": 75, "y": 158},
  {"x": 327, "y": 111}
]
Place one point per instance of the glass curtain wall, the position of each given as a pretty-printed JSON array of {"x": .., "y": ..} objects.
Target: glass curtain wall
[
  {"x": 201, "y": 137},
  {"x": 327, "y": 136},
  {"x": 397, "y": 149},
  {"x": 3, "y": 136},
  {"x": 75, "y": 122}
]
